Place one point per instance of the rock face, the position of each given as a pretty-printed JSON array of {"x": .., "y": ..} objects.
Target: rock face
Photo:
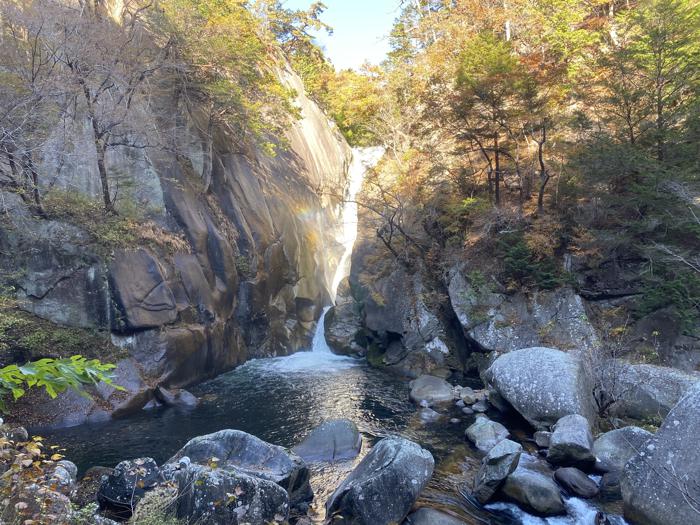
[
  {"x": 242, "y": 453},
  {"x": 615, "y": 448},
  {"x": 234, "y": 271},
  {"x": 486, "y": 434},
  {"x": 426, "y": 516},
  {"x": 576, "y": 482},
  {"x": 335, "y": 440},
  {"x": 126, "y": 485},
  {"x": 342, "y": 326},
  {"x": 533, "y": 487},
  {"x": 571, "y": 443},
  {"x": 498, "y": 464},
  {"x": 543, "y": 384},
  {"x": 384, "y": 486},
  {"x": 433, "y": 390},
  {"x": 659, "y": 485},
  {"x": 222, "y": 497},
  {"x": 504, "y": 323},
  {"x": 647, "y": 391}
]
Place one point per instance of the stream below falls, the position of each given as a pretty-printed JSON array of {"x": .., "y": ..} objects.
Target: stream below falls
[{"x": 282, "y": 399}]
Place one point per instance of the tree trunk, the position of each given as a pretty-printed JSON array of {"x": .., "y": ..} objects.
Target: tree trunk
[
  {"x": 544, "y": 176},
  {"x": 106, "y": 197},
  {"x": 497, "y": 159}
]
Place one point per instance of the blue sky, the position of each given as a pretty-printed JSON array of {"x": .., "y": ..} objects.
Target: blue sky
[{"x": 360, "y": 29}]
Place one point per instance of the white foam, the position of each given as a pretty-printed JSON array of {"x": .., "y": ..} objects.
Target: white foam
[{"x": 319, "y": 359}]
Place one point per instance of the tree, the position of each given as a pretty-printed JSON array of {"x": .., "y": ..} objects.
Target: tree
[{"x": 488, "y": 83}]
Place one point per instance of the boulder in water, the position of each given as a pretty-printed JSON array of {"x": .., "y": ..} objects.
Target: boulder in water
[
  {"x": 660, "y": 483},
  {"x": 428, "y": 516},
  {"x": 498, "y": 464},
  {"x": 615, "y": 448},
  {"x": 241, "y": 452},
  {"x": 486, "y": 434},
  {"x": 571, "y": 443},
  {"x": 433, "y": 390},
  {"x": 384, "y": 486},
  {"x": 334, "y": 440},
  {"x": 224, "y": 497},
  {"x": 576, "y": 483},
  {"x": 532, "y": 486},
  {"x": 126, "y": 485},
  {"x": 543, "y": 384}
]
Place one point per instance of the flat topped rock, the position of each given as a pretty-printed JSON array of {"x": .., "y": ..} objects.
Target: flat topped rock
[
  {"x": 241, "y": 452},
  {"x": 432, "y": 389},
  {"x": 615, "y": 448},
  {"x": 334, "y": 440}
]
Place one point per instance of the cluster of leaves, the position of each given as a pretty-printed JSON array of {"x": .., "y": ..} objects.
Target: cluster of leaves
[
  {"x": 55, "y": 376},
  {"x": 524, "y": 268},
  {"x": 679, "y": 290}
]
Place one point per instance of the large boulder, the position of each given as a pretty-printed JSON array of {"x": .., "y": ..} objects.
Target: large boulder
[
  {"x": 645, "y": 392},
  {"x": 126, "y": 485},
  {"x": 615, "y": 448},
  {"x": 428, "y": 516},
  {"x": 237, "y": 451},
  {"x": 543, "y": 384},
  {"x": 571, "y": 443},
  {"x": 506, "y": 322},
  {"x": 223, "y": 497},
  {"x": 384, "y": 486},
  {"x": 660, "y": 483},
  {"x": 531, "y": 485},
  {"x": 341, "y": 326},
  {"x": 496, "y": 466},
  {"x": 486, "y": 434},
  {"x": 331, "y": 441},
  {"x": 433, "y": 390},
  {"x": 576, "y": 482}
]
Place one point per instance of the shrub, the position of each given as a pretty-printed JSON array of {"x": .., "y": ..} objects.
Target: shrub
[{"x": 522, "y": 267}]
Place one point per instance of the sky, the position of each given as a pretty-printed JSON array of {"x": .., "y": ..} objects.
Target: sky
[{"x": 360, "y": 29}]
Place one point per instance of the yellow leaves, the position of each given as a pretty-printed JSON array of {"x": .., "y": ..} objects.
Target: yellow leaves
[{"x": 57, "y": 457}]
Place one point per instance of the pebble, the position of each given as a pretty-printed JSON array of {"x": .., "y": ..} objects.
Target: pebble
[
  {"x": 480, "y": 406},
  {"x": 468, "y": 411},
  {"x": 455, "y": 420}
]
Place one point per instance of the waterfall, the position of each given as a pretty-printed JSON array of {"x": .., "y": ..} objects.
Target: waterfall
[{"x": 363, "y": 159}]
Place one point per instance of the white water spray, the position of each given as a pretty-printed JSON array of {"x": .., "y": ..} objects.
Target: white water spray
[{"x": 363, "y": 159}]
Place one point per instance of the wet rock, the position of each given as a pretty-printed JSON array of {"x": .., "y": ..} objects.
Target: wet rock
[
  {"x": 610, "y": 489},
  {"x": 342, "y": 324},
  {"x": 543, "y": 384},
  {"x": 455, "y": 420},
  {"x": 63, "y": 477},
  {"x": 428, "y": 415},
  {"x": 532, "y": 486},
  {"x": 615, "y": 448},
  {"x": 384, "y": 486},
  {"x": 480, "y": 406},
  {"x": 646, "y": 391},
  {"x": 243, "y": 453},
  {"x": 331, "y": 441},
  {"x": 496, "y": 466},
  {"x": 175, "y": 398},
  {"x": 428, "y": 516},
  {"x": 225, "y": 497},
  {"x": 431, "y": 389},
  {"x": 486, "y": 434},
  {"x": 468, "y": 396},
  {"x": 542, "y": 438},
  {"x": 468, "y": 411},
  {"x": 571, "y": 443},
  {"x": 576, "y": 482},
  {"x": 126, "y": 485},
  {"x": 669, "y": 460}
]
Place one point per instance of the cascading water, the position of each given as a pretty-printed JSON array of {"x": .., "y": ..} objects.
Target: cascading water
[{"x": 363, "y": 159}]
